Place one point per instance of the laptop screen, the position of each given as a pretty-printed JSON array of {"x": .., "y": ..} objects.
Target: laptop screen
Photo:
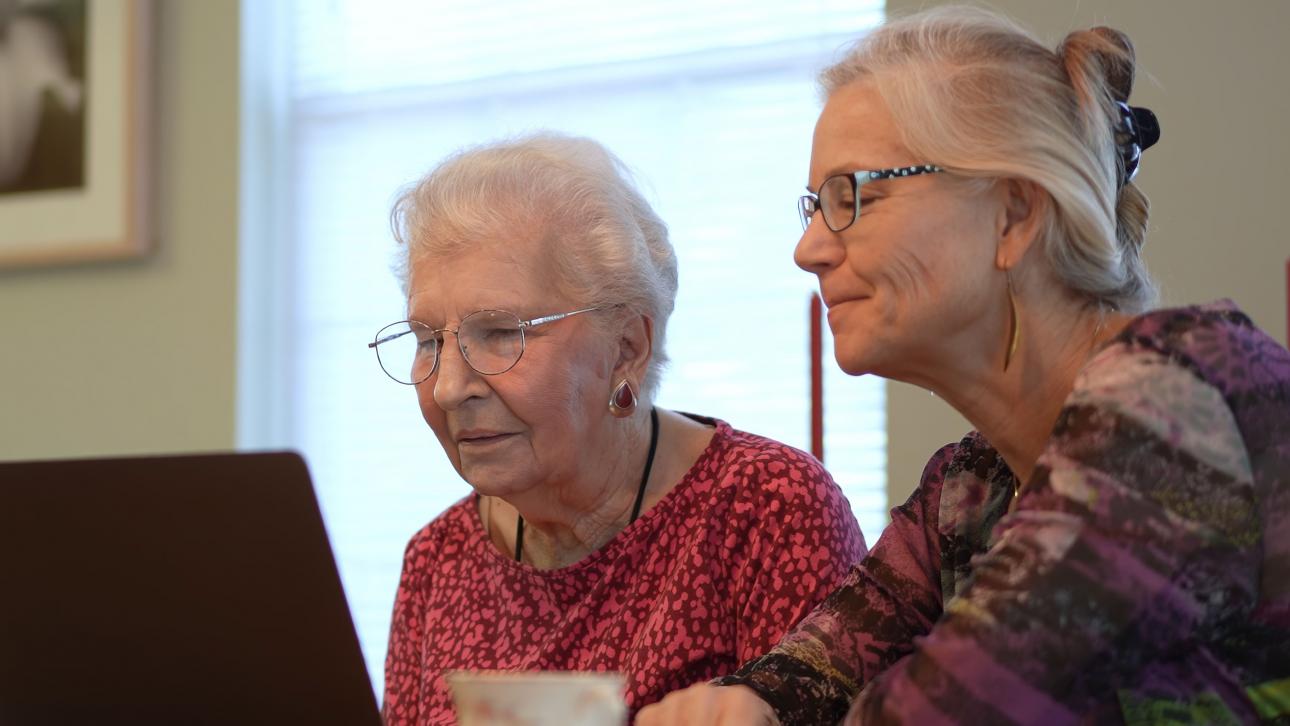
[{"x": 177, "y": 589}]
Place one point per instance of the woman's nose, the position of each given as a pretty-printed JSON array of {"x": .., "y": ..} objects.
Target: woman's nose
[
  {"x": 455, "y": 381},
  {"x": 820, "y": 248}
]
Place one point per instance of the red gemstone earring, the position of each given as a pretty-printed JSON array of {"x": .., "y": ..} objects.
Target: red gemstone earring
[{"x": 622, "y": 402}]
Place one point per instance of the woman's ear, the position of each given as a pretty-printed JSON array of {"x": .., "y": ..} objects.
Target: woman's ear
[
  {"x": 1021, "y": 217},
  {"x": 635, "y": 344}
]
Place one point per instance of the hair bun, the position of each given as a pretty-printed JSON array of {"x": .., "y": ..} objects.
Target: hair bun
[{"x": 1107, "y": 49}]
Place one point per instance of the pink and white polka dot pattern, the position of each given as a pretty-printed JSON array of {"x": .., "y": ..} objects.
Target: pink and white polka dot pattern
[{"x": 714, "y": 574}]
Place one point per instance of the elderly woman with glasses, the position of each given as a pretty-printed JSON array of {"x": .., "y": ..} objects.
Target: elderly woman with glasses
[
  {"x": 1112, "y": 544},
  {"x": 604, "y": 533}
]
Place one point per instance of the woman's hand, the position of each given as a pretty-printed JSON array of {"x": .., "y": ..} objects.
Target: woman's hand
[{"x": 707, "y": 705}]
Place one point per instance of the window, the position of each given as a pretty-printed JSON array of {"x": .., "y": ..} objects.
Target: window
[{"x": 711, "y": 103}]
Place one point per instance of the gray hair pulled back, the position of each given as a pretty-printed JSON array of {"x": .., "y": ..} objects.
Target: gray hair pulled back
[
  {"x": 975, "y": 93},
  {"x": 599, "y": 236}
]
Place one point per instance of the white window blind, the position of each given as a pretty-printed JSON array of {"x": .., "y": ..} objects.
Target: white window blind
[{"x": 712, "y": 103}]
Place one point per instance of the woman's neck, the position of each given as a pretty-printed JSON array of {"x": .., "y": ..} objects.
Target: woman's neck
[
  {"x": 562, "y": 525},
  {"x": 566, "y": 518},
  {"x": 562, "y": 535},
  {"x": 1015, "y": 410}
]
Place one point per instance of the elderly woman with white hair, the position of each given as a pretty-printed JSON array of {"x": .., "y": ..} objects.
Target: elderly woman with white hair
[
  {"x": 1112, "y": 543},
  {"x": 604, "y": 533}
]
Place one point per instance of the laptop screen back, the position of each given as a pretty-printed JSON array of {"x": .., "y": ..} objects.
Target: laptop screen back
[{"x": 182, "y": 589}]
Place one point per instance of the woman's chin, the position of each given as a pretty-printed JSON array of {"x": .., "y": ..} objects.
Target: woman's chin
[
  {"x": 854, "y": 362},
  {"x": 489, "y": 481}
]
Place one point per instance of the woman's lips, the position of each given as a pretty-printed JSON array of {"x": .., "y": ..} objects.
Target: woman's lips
[
  {"x": 833, "y": 306},
  {"x": 480, "y": 440},
  {"x": 830, "y": 304}
]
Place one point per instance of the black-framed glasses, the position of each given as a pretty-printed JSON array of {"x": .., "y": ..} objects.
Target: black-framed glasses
[
  {"x": 839, "y": 197},
  {"x": 491, "y": 342}
]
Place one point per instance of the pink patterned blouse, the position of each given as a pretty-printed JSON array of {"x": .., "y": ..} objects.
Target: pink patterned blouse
[{"x": 752, "y": 538}]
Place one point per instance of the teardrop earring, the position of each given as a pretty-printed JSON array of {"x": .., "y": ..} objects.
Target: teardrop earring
[
  {"x": 1014, "y": 332},
  {"x": 622, "y": 402}
]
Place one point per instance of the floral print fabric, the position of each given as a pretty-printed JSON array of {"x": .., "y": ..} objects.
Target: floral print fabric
[{"x": 1144, "y": 575}]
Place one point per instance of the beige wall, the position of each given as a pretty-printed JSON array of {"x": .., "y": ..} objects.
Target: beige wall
[
  {"x": 139, "y": 356},
  {"x": 1215, "y": 75}
]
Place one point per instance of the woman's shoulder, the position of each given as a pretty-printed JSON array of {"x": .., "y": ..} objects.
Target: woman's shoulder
[
  {"x": 1202, "y": 380},
  {"x": 737, "y": 461},
  {"x": 971, "y": 456},
  {"x": 964, "y": 490},
  {"x": 452, "y": 525},
  {"x": 1217, "y": 342},
  {"x": 751, "y": 476},
  {"x": 761, "y": 487},
  {"x": 739, "y": 456},
  {"x": 1175, "y": 323},
  {"x": 1189, "y": 367}
]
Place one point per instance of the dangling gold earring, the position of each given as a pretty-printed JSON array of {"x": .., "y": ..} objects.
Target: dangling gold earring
[
  {"x": 622, "y": 402},
  {"x": 1014, "y": 334}
]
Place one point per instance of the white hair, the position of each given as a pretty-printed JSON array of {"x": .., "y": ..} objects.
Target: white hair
[
  {"x": 570, "y": 195},
  {"x": 975, "y": 93}
]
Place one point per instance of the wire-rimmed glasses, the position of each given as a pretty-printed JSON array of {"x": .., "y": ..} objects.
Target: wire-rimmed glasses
[
  {"x": 491, "y": 342},
  {"x": 839, "y": 197}
]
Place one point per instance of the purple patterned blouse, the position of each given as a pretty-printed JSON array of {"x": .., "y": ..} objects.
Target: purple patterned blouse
[{"x": 1144, "y": 575}]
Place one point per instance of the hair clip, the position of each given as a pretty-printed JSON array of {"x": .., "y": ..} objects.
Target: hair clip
[{"x": 1138, "y": 131}]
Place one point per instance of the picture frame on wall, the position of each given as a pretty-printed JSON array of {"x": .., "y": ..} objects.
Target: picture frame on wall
[{"x": 75, "y": 130}]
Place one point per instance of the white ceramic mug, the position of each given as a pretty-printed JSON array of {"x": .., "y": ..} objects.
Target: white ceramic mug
[{"x": 504, "y": 698}]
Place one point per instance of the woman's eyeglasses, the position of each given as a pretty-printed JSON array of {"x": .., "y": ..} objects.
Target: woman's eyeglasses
[
  {"x": 839, "y": 197},
  {"x": 491, "y": 342}
]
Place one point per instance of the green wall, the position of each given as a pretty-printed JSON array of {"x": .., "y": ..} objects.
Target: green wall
[{"x": 140, "y": 356}]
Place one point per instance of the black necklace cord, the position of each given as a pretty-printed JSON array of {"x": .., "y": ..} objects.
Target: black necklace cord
[
  {"x": 649, "y": 464},
  {"x": 640, "y": 491},
  {"x": 519, "y": 539}
]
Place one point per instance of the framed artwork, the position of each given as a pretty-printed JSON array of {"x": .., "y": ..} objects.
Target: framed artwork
[{"x": 75, "y": 130}]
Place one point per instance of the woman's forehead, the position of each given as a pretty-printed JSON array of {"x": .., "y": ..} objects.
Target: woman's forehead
[
  {"x": 856, "y": 131},
  {"x": 488, "y": 276}
]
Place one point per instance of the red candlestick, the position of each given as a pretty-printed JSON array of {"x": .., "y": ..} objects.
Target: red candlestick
[{"x": 817, "y": 377}]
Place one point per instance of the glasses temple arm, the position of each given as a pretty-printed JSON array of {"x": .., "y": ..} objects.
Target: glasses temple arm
[
  {"x": 386, "y": 339},
  {"x": 552, "y": 318}
]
